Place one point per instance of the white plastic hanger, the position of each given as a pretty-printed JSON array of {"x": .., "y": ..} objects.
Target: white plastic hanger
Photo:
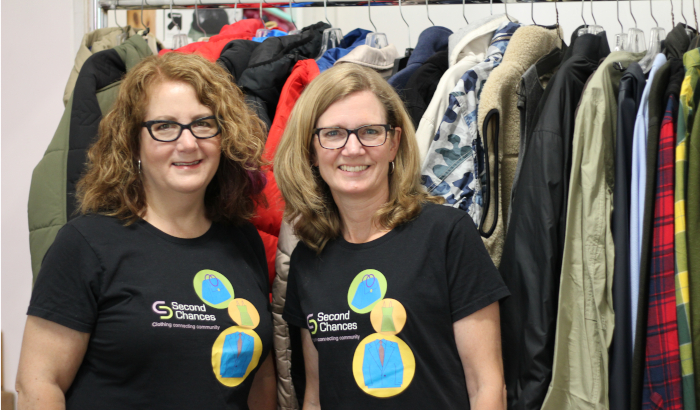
[
  {"x": 688, "y": 30},
  {"x": 635, "y": 37},
  {"x": 595, "y": 28},
  {"x": 331, "y": 36},
  {"x": 657, "y": 35},
  {"x": 620, "y": 39},
  {"x": 375, "y": 39}
]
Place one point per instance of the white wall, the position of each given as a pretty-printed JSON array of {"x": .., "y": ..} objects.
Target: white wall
[
  {"x": 37, "y": 56},
  {"x": 39, "y": 39}
]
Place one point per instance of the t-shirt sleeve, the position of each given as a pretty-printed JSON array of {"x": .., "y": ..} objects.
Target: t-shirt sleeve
[
  {"x": 292, "y": 307},
  {"x": 472, "y": 278},
  {"x": 67, "y": 286}
]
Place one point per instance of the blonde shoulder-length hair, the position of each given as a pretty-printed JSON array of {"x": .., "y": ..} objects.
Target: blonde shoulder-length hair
[
  {"x": 309, "y": 205},
  {"x": 112, "y": 184}
]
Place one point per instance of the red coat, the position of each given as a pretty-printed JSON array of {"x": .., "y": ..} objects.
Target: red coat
[
  {"x": 211, "y": 50},
  {"x": 268, "y": 220}
]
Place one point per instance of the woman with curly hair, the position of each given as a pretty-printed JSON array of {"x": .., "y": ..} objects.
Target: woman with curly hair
[
  {"x": 157, "y": 295},
  {"x": 395, "y": 295}
]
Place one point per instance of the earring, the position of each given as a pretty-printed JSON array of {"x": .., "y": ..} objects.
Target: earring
[
  {"x": 139, "y": 166},
  {"x": 393, "y": 166}
]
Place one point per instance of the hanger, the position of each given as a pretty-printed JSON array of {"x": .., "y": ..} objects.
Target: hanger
[
  {"x": 532, "y": 12},
  {"x": 688, "y": 30},
  {"x": 635, "y": 37},
  {"x": 331, "y": 36},
  {"x": 145, "y": 32},
  {"x": 697, "y": 27},
  {"x": 179, "y": 39},
  {"x": 121, "y": 38},
  {"x": 196, "y": 18},
  {"x": 262, "y": 32},
  {"x": 463, "y": 15},
  {"x": 595, "y": 28},
  {"x": 657, "y": 35},
  {"x": 427, "y": 12},
  {"x": 375, "y": 39},
  {"x": 620, "y": 39},
  {"x": 291, "y": 17},
  {"x": 505, "y": 5},
  {"x": 401, "y": 62}
]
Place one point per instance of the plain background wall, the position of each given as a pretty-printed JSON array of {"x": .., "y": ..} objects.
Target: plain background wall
[{"x": 39, "y": 39}]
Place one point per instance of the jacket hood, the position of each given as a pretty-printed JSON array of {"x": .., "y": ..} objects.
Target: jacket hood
[
  {"x": 430, "y": 41},
  {"x": 379, "y": 59},
  {"x": 529, "y": 44},
  {"x": 347, "y": 44},
  {"x": 474, "y": 38},
  {"x": 677, "y": 42},
  {"x": 236, "y": 55}
]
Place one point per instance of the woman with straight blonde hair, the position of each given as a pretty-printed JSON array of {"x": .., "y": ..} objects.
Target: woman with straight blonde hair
[
  {"x": 157, "y": 296},
  {"x": 395, "y": 295}
]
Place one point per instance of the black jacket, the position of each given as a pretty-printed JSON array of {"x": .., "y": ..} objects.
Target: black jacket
[
  {"x": 533, "y": 248},
  {"x": 272, "y": 61},
  {"x": 631, "y": 88},
  {"x": 422, "y": 85}
]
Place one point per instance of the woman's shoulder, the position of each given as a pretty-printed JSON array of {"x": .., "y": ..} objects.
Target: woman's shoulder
[
  {"x": 89, "y": 224},
  {"x": 442, "y": 216}
]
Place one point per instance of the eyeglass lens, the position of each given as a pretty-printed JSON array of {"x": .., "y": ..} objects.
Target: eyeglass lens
[
  {"x": 369, "y": 136},
  {"x": 168, "y": 131}
]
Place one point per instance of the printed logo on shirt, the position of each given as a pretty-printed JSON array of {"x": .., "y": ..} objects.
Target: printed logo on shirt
[
  {"x": 383, "y": 365},
  {"x": 366, "y": 290},
  {"x": 213, "y": 288},
  {"x": 162, "y": 310}
]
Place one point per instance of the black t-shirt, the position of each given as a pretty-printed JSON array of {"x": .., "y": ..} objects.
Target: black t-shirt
[
  {"x": 381, "y": 313},
  {"x": 174, "y": 323}
]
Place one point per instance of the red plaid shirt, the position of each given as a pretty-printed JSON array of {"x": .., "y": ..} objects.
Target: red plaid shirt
[{"x": 662, "y": 366}]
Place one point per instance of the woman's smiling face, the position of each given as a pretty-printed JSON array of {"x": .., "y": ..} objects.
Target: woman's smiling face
[{"x": 355, "y": 170}]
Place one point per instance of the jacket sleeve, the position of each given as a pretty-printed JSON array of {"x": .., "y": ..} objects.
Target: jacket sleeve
[{"x": 286, "y": 395}]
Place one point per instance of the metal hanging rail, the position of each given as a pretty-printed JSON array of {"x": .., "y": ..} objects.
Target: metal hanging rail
[{"x": 189, "y": 4}]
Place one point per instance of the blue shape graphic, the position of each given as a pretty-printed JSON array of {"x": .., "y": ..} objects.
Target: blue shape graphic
[
  {"x": 237, "y": 354},
  {"x": 367, "y": 292},
  {"x": 213, "y": 291},
  {"x": 380, "y": 375}
]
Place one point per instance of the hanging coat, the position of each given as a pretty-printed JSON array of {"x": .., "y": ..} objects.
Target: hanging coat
[
  {"x": 498, "y": 122},
  {"x": 52, "y": 191}
]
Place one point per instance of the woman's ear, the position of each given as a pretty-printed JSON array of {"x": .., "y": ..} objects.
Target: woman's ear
[{"x": 396, "y": 141}]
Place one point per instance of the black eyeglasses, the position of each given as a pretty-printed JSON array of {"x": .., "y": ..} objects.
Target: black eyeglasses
[
  {"x": 372, "y": 135},
  {"x": 167, "y": 131}
]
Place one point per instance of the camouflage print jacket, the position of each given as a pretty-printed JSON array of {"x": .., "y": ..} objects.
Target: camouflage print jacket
[{"x": 452, "y": 167}]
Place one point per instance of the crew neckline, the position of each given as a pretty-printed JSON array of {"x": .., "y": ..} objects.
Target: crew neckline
[
  {"x": 183, "y": 241},
  {"x": 371, "y": 244}
]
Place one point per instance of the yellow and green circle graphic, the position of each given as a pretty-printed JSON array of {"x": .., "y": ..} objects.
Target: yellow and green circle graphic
[
  {"x": 388, "y": 317},
  {"x": 244, "y": 313},
  {"x": 213, "y": 288},
  {"x": 235, "y": 354},
  {"x": 368, "y": 288},
  {"x": 383, "y": 365}
]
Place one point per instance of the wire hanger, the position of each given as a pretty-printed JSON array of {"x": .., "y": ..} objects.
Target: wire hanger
[
  {"x": 595, "y": 28},
  {"x": 657, "y": 35},
  {"x": 179, "y": 39},
  {"x": 427, "y": 12},
  {"x": 262, "y": 32},
  {"x": 696, "y": 16},
  {"x": 620, "y": 39},
  {"x": 375, "y": 39},
  {"x": 463, "y": 14},
  {"x": 532, "y": 12},
  {"x": 291, "y": 16},
  {"x": 401, "y": 62},
  {"x": 635, "y": 37},
  {"x": 407, "y": 27},
  {"x": 196, "y": 18},
  {"x": 688, "y": 30},
  {"x": 143, "y": 23},
  {"x": 331, "y": 36},
  {"x": 121, "y": 37},
  {"x": 505, "y": 5}
]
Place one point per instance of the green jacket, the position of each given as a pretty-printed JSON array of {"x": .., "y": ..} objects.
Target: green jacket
[
  {"x": 52, "y": 191},
  {"x": 585, "y": 318}
]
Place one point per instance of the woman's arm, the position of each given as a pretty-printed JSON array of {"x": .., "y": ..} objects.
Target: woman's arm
[
  {"x": 263, "y": 393},
  {"x": 478, "y": 338},
  {"x": 311, "y": 396},
  {"x": 51, "y": 356}
]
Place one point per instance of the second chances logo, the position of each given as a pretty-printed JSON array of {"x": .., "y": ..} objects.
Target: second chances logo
[
  {"x": 325, "y": 322},
  {"x": 182, "y": 311}
]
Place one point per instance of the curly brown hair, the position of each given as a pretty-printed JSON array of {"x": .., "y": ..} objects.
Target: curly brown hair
[
  {"x": 310, "y": 207},
  {"x": 112, "y": 184}
]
